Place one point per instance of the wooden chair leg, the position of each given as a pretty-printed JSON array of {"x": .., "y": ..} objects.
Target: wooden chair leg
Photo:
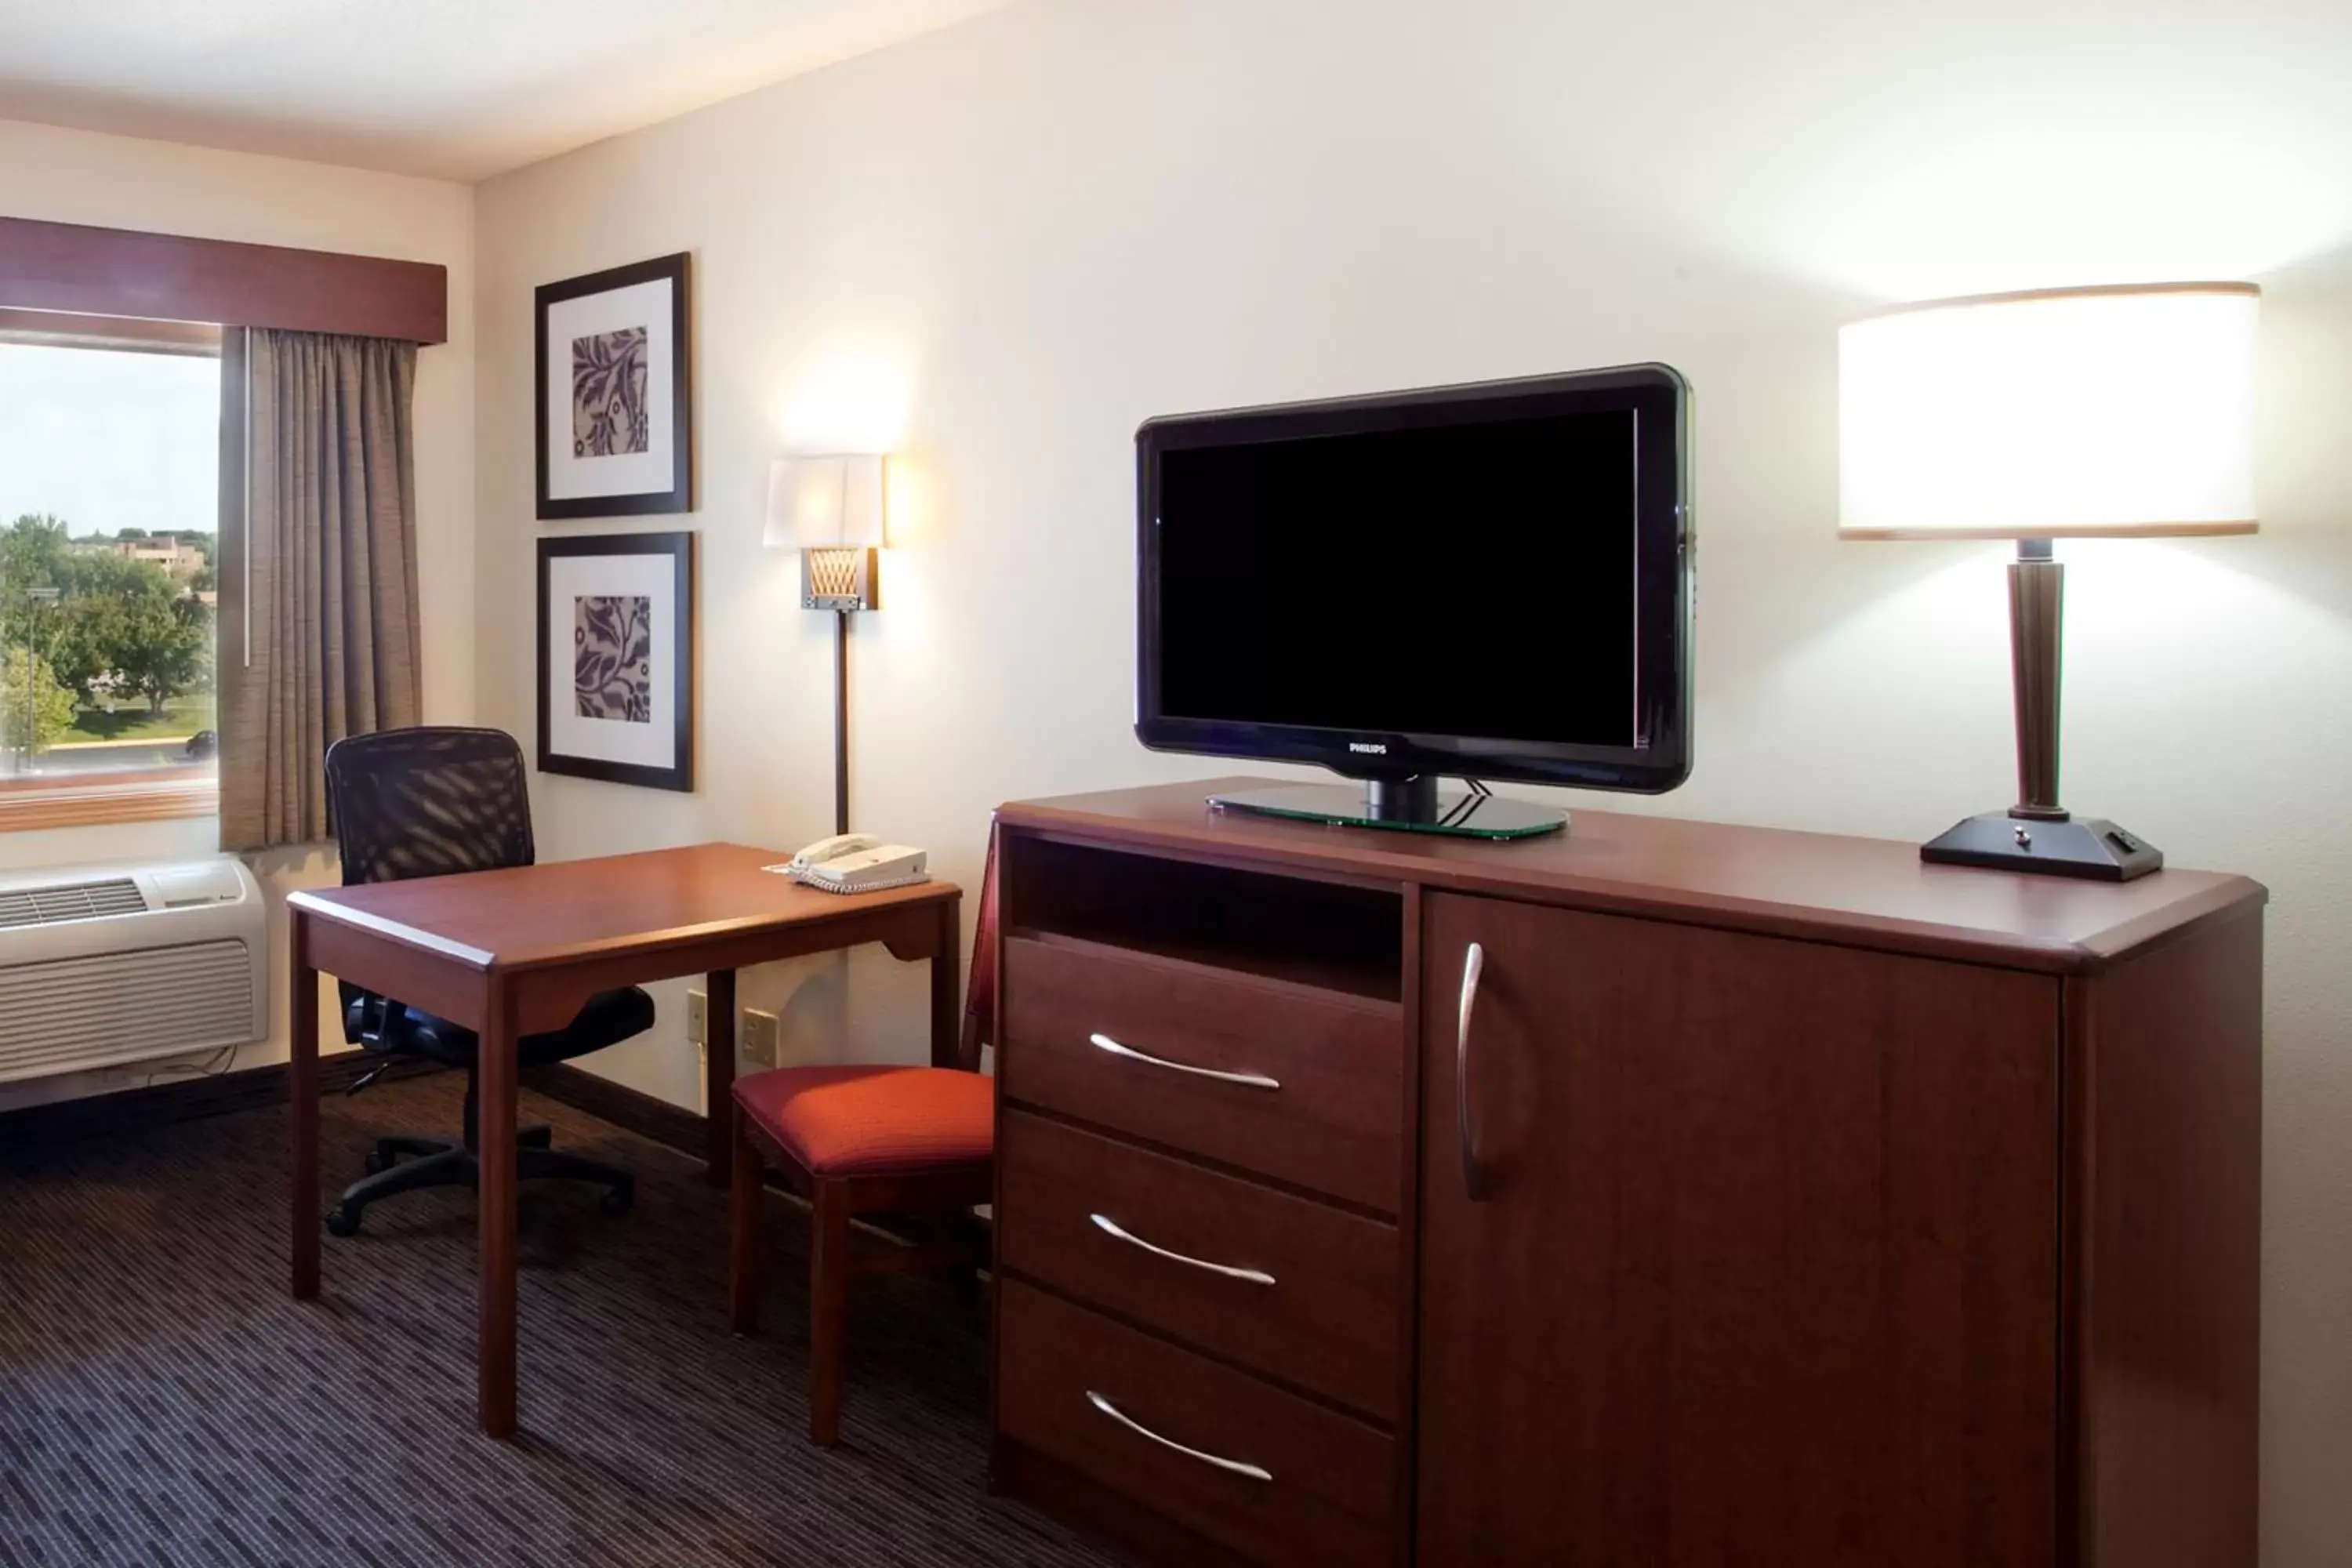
[
  {"x": 828, "y": 1309},
  {"x": 743, "y": 1252}
]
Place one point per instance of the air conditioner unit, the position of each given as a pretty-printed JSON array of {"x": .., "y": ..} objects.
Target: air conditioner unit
[{"x": 107, "y": 964}]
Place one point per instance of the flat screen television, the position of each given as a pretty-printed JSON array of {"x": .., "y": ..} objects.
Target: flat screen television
[{"x": 1491, "y": 580}]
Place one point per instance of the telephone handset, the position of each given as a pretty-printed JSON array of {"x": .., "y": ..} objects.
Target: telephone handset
[
  {"x": 833, "y": 848},
  {"x": 856, "y": 863}
]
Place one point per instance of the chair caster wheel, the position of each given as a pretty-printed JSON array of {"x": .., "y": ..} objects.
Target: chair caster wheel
[
  {"x": 618, "y": 1200},
  {"x": 342, "y": 1220},
  {"x": 376, "y": 1163}
]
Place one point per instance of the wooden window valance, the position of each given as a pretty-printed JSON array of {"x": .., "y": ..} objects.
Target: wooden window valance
[{"x": 122, "y": 273}]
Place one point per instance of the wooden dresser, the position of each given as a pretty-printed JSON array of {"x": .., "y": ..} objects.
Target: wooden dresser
[{"x": 1663, "y": 1193}]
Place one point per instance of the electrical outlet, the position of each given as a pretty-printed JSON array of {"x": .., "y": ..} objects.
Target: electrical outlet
[
  {"x": 697, "y": 1018},
  {"x": 761, "y": 1034}
]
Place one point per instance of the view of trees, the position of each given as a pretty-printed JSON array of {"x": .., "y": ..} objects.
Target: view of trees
[
  {"x": 52, "y": 710},
  {"x": 97, "y": 625}
]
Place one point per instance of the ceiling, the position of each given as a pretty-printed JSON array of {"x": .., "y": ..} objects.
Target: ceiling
[{"x": 454, "y": 89}]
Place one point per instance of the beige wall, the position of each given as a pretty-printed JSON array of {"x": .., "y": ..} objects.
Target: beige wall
[{"x": 75, "y": 176}]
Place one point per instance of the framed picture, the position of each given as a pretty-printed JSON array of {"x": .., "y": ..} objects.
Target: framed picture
[
  {"x": 617, "y": 659},
  {"x": 615, "y": 432}
]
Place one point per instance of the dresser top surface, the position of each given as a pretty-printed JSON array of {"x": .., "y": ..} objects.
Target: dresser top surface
[{"x": 1869, "y": 891}]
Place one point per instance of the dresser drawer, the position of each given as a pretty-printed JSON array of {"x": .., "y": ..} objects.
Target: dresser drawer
[
  {"x": 1271, "y": 1475},
  {"x": 1302, "y": 1085},
  {"x": 1316, "y": 1305}
]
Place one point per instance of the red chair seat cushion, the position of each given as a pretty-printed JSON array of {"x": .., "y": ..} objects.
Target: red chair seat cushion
[{"x": 874, "y": 1121}]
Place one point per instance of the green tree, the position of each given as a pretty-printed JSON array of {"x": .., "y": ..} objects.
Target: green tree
[
  {"x": 115, "y": 623},
  {"x": 104, "y": 594},
  {"x": 124, "y": 622},
  {"x": 28, "y": 687},
  {"x": 158, "y": 642},
  {"x": 161, "y": 646},
  {"x": 206, "y": 578},
  {"x": 79, "y": 646},
  {"x": 31, "y": 549},
  {"x": 32, "y": 555}
]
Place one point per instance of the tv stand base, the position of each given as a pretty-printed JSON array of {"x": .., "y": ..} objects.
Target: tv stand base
[{"x": 1411, "y": 806}]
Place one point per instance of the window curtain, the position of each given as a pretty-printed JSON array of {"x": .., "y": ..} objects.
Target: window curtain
[{"x": 318, "y": 635}]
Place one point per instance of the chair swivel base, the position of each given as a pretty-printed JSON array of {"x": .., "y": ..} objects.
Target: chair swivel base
[{"x": 411, "y": 1164}]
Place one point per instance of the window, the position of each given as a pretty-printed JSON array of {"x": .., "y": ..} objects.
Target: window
[{"x": 109, "y": 441}]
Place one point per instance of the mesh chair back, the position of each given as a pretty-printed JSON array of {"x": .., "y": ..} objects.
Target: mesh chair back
[
  {"x": 425, "y": 802},
  {"x": 428, "y": 801}
]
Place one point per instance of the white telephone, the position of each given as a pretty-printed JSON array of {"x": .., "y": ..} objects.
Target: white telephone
[{"x": 856, "y": 863}]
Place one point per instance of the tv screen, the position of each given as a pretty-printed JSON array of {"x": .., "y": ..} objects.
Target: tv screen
[
  {"x": 1489, "y": 581},
  {"x": 1360, "y": 536}
]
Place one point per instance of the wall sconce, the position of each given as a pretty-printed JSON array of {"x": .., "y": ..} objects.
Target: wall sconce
[{"x": 829, "y": 507}]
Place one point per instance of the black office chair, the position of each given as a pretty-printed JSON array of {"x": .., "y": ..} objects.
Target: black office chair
[{"x": 428, "y": 802}]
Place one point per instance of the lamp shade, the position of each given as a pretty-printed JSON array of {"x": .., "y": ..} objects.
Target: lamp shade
[
  {"x": 819, "y": 503},
  {"x": 2050, "y": 415}
]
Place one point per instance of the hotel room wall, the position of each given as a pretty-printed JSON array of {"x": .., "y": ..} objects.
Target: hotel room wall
[{"x": 998, "y": 248}]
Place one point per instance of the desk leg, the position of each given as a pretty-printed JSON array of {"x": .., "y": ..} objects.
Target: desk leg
[
  {"x": 719, "y": 1074},
  {"x": 302, "y": 1102},
  {"x": 495, "y": 1135},
  {"x": 947, "y": 1026}
]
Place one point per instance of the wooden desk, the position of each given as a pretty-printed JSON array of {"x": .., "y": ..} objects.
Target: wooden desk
[{"x": 514, "y": 952}]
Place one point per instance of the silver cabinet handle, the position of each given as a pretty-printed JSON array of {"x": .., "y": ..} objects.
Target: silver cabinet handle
[
  {"x": 1110, "y": 1226},
  {"x": 1252, "y": 1079},
  {"x": 1474, "y": 963},
  {"x": 1140, "y": 1430}
]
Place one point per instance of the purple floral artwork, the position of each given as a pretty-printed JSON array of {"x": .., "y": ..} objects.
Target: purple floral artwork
[
  {"x": 612, "y": 658},
  {"x": 608, "y": 394}
]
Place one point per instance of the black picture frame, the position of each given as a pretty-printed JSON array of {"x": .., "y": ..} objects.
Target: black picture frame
[
  {"x": 680, "y": 496},
  {"x": 680, "y": 549}
]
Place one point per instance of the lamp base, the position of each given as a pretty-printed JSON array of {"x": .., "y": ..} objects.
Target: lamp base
[{"x": 2085, "y": 847}]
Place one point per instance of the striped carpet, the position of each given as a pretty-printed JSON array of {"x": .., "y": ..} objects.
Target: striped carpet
[{"x": 163, "y": 1401}]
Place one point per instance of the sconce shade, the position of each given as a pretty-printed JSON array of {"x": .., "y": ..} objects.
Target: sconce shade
[
  {"x": 2057, "y": 414},
  {"x": 823, "y": 502}
]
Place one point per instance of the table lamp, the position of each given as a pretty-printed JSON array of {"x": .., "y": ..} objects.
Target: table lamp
[
  {"x": 2066, "y": 412},
  {"x": 830, "y": 508}
]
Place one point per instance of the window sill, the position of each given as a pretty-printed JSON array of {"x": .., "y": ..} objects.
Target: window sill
[{"x": 29, "y": 805}]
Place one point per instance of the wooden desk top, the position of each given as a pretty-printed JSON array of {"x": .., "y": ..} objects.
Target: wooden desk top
[
  {"x": 565, "y": 911},
  {"x": 1868, "y": 891}
]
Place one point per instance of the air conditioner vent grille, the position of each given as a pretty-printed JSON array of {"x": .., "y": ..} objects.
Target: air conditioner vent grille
[
  {"x": 70, "y": 1014},
  {"x": 70, "y": 901}
]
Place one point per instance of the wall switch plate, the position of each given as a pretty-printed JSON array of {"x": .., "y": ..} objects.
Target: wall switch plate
[
  {"x": 697, "y": 1018},
  {"x": 761, "y": 1034}
]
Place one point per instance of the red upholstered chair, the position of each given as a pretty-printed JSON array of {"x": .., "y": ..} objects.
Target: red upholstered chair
[{"x": 902, "y": 1141}]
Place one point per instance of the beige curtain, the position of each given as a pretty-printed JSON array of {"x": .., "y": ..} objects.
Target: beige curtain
[{"x": 318, "y": 630}]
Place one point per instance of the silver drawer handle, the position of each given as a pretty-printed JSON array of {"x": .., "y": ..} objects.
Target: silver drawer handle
[
  {"x": 1139, "y": 1429},
  {"x": 1110, "y": 1226},
  {"x": 1252, "y": 1079},
  {"x": 1474, "y": 965}
]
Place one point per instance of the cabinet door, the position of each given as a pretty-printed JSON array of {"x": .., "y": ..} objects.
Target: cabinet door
[{"x": 1763, "y": 1265}]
